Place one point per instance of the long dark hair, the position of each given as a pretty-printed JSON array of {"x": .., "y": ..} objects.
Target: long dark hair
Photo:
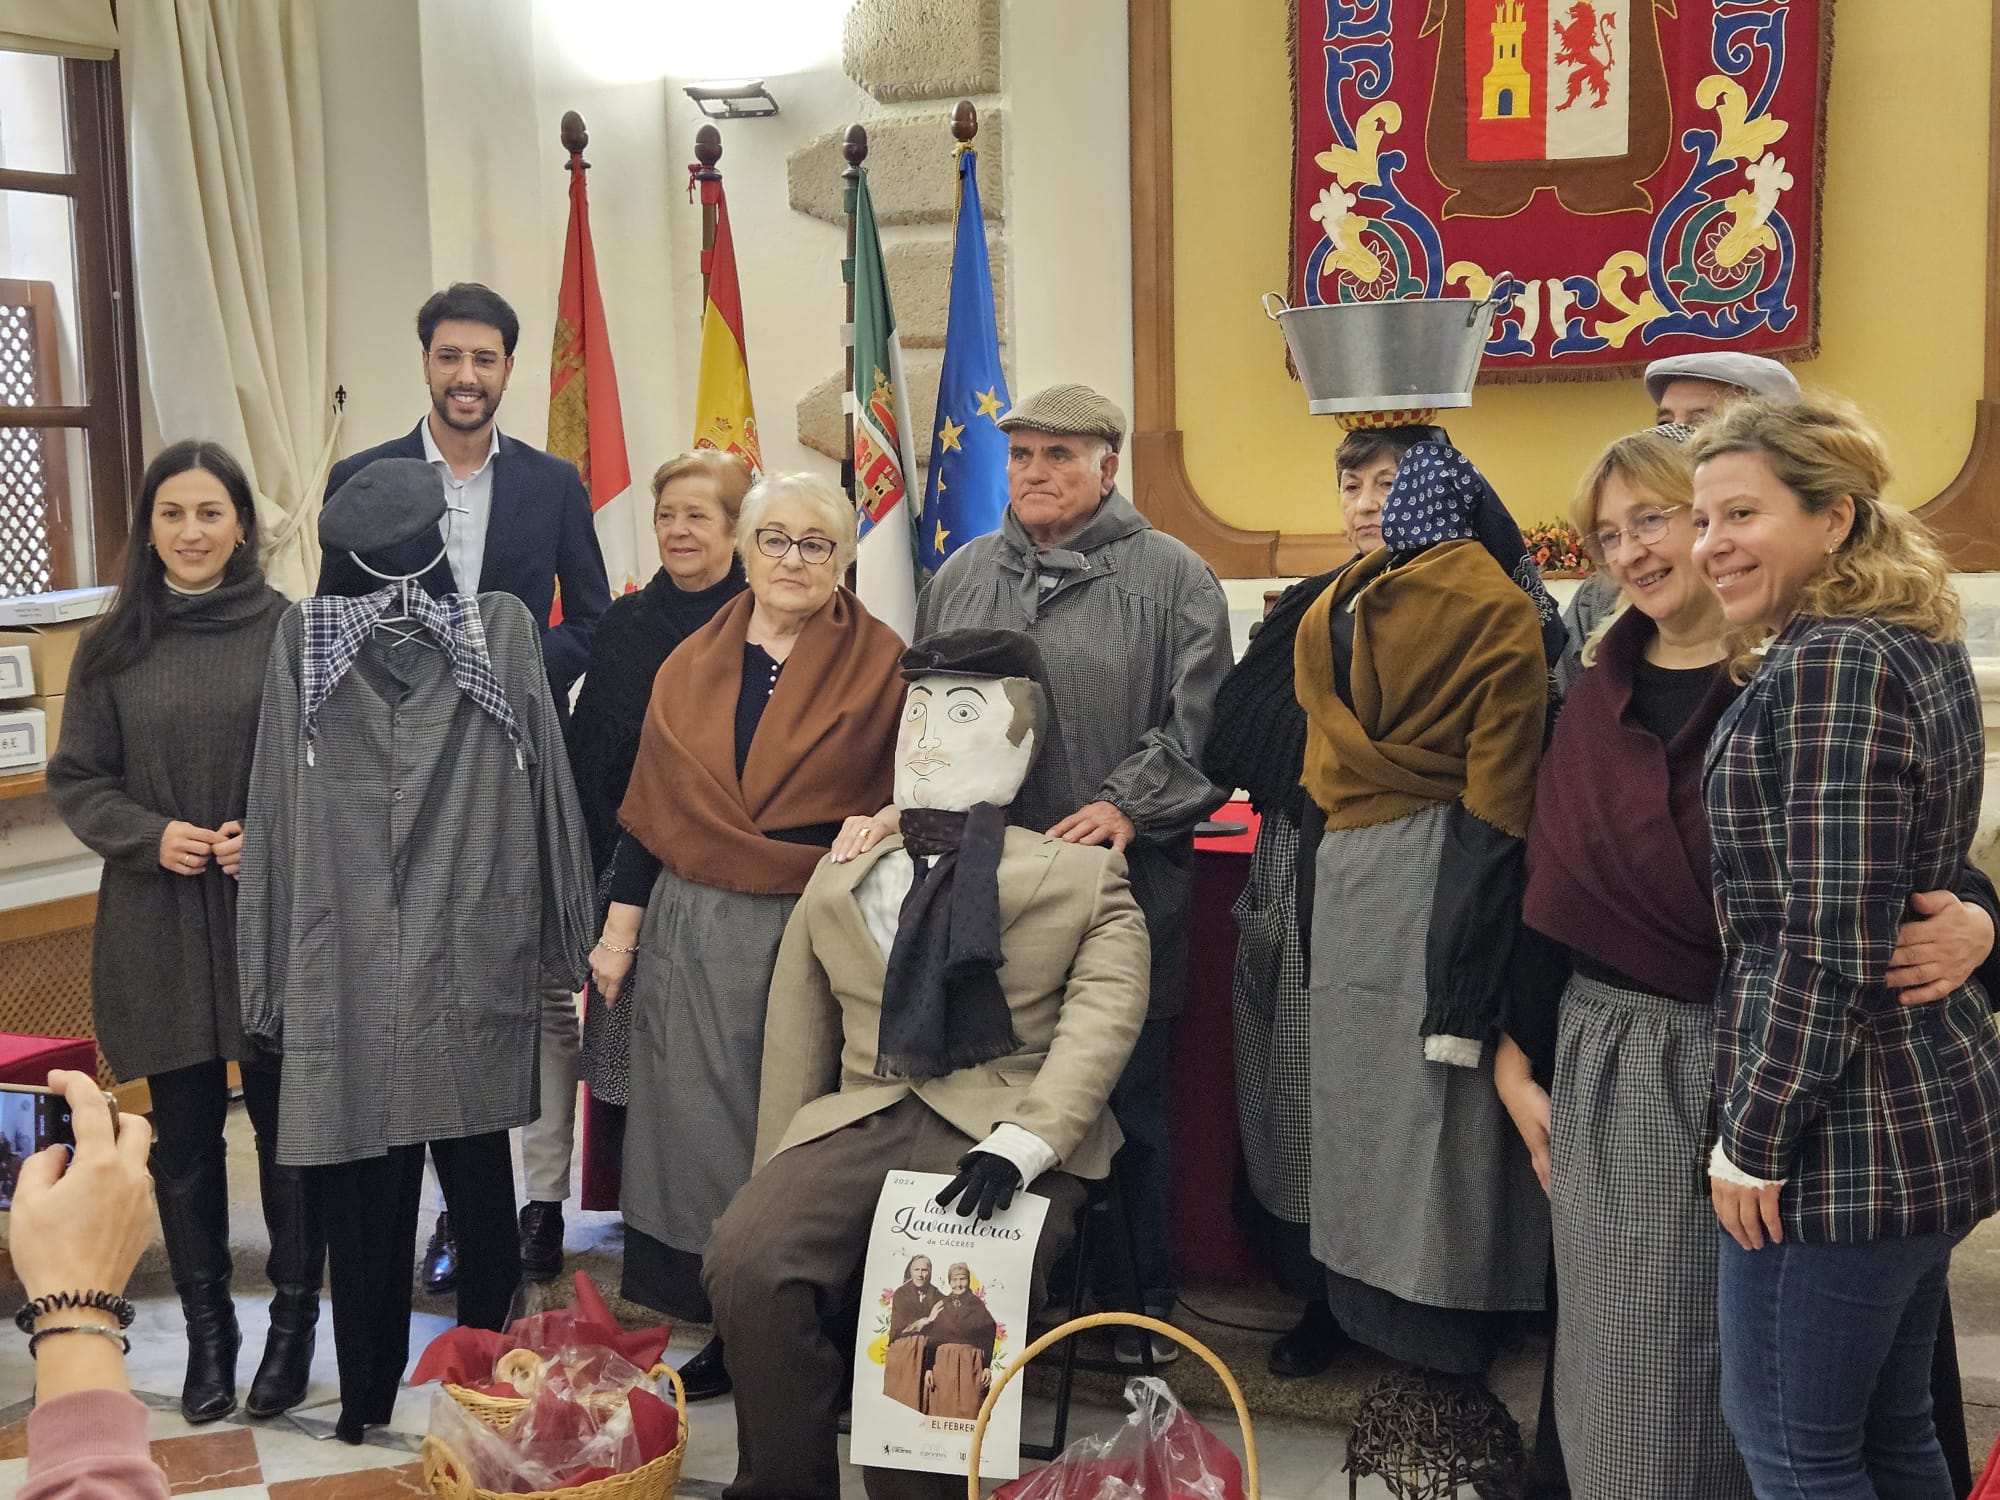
[{"x": 127, "y": 632}]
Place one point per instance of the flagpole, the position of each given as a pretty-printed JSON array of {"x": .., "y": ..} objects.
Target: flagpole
[
  {"x": 707, "y": 152},
  {"x": 964, "y": 122},
  {"x": 855, "y": 149},
  {"x": 575, "y": 140}
]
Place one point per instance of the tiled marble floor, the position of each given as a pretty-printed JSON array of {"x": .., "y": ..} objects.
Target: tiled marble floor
[{"x": 294, "y": 1457}]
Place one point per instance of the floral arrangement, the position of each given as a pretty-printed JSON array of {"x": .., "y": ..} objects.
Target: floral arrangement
[{"x": 1557, "y": 548}]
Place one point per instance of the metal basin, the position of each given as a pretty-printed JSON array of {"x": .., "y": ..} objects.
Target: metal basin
[{"x": 1381, "y": 356}]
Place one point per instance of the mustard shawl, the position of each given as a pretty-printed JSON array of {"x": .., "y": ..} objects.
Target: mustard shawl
[{"x": 1449, "y": 685}]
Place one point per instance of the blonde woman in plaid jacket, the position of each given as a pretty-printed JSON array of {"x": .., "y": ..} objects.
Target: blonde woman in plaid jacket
[{"x": 1857, "y": 1138}]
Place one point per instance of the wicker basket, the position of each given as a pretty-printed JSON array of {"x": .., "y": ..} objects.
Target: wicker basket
[
  {"x": 1115, "y": 1320},
  {"x": 446, "y": 1473}
]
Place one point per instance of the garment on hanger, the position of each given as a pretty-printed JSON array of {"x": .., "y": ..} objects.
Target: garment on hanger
[
  {"x": 336, "y": 629},
  {"x": 414, "y": 870}
]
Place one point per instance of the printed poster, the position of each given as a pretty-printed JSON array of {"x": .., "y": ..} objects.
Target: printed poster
[{"x": 944, "y": 1310}]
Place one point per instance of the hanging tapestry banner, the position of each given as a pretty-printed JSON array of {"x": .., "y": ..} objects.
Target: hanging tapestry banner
[{"x": 1638, "y": 178}]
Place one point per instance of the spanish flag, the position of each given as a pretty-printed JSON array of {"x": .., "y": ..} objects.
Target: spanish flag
[
  {"x": 585, "y": 425},
  {"x": 723, "y": 415}
]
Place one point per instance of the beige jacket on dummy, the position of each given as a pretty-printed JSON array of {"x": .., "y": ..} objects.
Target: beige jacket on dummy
[{"x": 1075, "y": 978}]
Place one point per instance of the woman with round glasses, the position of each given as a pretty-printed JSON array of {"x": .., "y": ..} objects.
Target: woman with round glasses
[
  {"x": 767, "y": 727},
  {"x": 1619, "y": 877}
]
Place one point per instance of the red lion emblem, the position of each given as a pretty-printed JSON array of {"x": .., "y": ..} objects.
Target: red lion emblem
[{"x": 1580, "y": 38}]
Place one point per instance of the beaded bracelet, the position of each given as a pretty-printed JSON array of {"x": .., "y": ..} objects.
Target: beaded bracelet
[
  {"x": 611, "y": 947},
  {"x": 35, "y": 1340},
  {"x": 109, "y": 1302}
]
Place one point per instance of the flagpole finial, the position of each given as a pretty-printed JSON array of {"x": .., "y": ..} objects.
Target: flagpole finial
[
  {"x": 707, "y": 151},
  {"x": 574, "y": 137},
  {"x": 855, "y": 149},
  {"x": 964, "y": 122}
]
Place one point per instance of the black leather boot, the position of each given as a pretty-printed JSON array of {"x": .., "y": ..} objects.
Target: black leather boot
[
  {"x": 194, "y": 1221},
  {"x": 298, "y": 1256}
]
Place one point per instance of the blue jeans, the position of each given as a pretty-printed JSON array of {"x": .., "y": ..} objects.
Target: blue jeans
[
  {"x": 1826, "y": 1367},
  {"x": 1139, "y": 1105}
]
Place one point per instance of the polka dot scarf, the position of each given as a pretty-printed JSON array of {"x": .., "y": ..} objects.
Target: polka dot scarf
[{"x": 1440, "y": 497}]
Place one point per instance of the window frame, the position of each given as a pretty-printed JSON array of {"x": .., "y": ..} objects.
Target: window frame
[{"x": 107, "y": 338}]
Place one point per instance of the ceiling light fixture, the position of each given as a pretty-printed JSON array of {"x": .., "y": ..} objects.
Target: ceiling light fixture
[{"x": 745, "y": 99}]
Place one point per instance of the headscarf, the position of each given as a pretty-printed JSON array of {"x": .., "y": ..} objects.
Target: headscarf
[{"x": 1438, "y": 496}]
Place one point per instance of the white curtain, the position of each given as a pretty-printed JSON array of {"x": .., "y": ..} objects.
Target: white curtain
[
  {"x": 68, "y": 28},
  {"x": 230, "y": 236}
]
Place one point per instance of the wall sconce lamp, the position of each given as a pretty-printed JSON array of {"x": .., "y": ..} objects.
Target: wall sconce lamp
[{"x": 739, "y": 100}]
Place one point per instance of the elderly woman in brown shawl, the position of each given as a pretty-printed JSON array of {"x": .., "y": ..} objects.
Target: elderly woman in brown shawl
[
  {"x": 961, "y": 1332},
  {"x": 911, "y": 1310},
  {"x": 1423, "y": 672},
  {"x": 767, "y": 727}
]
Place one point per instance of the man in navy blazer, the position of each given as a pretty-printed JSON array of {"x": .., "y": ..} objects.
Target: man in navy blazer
[
  {"x": 521, "y": 518},
  {"x": 520, "y": 524}
]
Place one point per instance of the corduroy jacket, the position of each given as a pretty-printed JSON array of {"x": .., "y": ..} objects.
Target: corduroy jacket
[{"x": 1846, "y": 776}]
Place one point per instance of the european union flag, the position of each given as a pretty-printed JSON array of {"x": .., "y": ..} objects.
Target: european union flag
[{"x": 966, "y": 492}]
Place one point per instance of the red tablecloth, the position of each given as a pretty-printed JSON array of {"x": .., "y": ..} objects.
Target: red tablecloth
[
  {"x": 27, "y": 1059},
  {"x": 1208, "y": 1245}
]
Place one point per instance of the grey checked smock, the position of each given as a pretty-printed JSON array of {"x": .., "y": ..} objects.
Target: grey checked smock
[{"x": 405, "y": 898}]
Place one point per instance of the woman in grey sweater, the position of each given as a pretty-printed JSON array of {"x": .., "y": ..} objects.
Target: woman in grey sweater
[{"x": 152, "y": 773}]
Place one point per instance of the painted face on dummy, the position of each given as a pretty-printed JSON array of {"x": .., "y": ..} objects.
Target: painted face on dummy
[
  {"x": 1758, "y": 545},
  {"x": 1363, "y": 493},
  {"x": 955, "y": 749}
]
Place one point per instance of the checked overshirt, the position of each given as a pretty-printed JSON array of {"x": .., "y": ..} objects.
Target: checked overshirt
[{"x": 1845, "y": 778}]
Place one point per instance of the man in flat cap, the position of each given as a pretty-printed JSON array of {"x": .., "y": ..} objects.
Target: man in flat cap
[
  {"x": 961, "y": 997},
  {"x": 1686, "y": 390},
  {"x": 1135, "y": 632}
]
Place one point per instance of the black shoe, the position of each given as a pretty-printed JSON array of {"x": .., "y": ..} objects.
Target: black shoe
[
  {"x": 440, "y": 1260},
  {"x": 705, "y": 1376},
  {"x": 194, "y": 1222},
  {"x": 542, "y": 1241},
  {"x": 1310, "y": 1348},
  {"x": 298, "y": 1256}
]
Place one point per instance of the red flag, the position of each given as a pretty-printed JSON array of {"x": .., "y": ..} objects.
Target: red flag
[{"x": 585, "y": 425}]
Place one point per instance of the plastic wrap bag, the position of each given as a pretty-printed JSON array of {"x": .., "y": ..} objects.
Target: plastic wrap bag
[
  {"x": 578, "y": 1417},
  {"x": 491, "y": 1461},
  {"x": 1161, "y": 1453},
  {"x": 579, "y": 1425}
]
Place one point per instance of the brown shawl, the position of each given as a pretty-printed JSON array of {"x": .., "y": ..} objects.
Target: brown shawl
[
  {"x": 823, "y": 750},
  {"x": 1450, "y": 691}
]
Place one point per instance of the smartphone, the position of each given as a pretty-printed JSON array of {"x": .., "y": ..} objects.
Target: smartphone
[{"x": 32, "y": 1117}]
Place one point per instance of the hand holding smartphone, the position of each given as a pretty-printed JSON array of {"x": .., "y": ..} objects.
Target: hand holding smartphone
[
  {"x": 31, "y": 1119},
  {"x": 80, "y": 1217}
]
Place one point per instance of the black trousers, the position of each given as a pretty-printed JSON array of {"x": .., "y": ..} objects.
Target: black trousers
[
  {"x": 191, "y": 1105},
  {"x": 370, "y": 1208}
]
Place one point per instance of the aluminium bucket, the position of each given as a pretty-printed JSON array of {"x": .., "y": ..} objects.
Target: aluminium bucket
[{"x": 1384, "y": 356}]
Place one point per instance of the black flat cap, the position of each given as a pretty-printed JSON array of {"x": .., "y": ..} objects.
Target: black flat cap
[
  {"x": 983, "y": 652},
  {"x": 390, "y": 501}
]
